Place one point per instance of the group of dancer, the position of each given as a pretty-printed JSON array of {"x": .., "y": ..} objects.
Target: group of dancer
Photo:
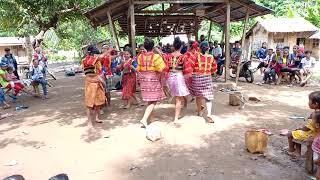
[{"x": 159, "y": 75}]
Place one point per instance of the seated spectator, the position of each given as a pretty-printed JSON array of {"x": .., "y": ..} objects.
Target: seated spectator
[
  {"x": 60, "y": 177},
  {"x": 236, "y": 53},
  {"x": 12, "y": 78},
  {"x": 14, "y": 177},
  {"x": 262, "y": 55},
  {"x": 287, "y": 67},
  {"x": 265, "y": 62},
  {"x": 307, "y": 64},
  {"x": 3, "y": 102},
  {"x": 4, "y": 82},
  {"x": 37, "y": 76}
]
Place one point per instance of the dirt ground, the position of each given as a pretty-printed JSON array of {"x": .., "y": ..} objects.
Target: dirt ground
[{"x": 51, "y": 137}]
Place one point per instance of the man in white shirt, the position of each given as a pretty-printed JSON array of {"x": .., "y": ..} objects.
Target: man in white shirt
[
  {"x": 307, "y": 64},
  {"x": 37, "y": 76}
]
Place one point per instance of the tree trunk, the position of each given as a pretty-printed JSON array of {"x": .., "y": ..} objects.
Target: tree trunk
[{"x": 28, "y": 48}]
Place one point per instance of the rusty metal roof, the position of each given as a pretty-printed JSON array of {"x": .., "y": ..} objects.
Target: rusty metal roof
[{"x": 179, "y": 18}]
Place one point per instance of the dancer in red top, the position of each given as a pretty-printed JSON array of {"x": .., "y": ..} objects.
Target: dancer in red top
[
  {"x": 202, "y": 85},
  {"x": 176, "y": 81},
  {"x": 95, "y": 97},
  {"x": 129, "y": 78}
]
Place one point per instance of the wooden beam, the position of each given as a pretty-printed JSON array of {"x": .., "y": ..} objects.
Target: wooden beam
[
  {"x": 227, "y": 41},
  {"x": 133, "y": 28},
  {"x": 112, "y": 28},
  {"x": 176, "y": 1},
  {"x": 242, "y": 44},
  {"x": 209, "y": 33}
]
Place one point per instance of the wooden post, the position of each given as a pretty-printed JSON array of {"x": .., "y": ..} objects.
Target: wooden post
[
  {"x": 227, "y": 41},
  {"x": 242, "y": 45},
  {"x": 133, "y": 28},
  {"x": 112, "y": 28},
  {"x": 209, "y": 33}
]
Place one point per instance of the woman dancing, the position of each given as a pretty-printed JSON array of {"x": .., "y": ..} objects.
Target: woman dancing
[
  {"x": 150, "y": 66},
  {"x": 95, "y": 97},
  {"x": 176, "y": 81},
  {"x": 202, "y": 85}
]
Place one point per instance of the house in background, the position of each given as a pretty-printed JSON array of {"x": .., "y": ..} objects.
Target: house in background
[
  {"x": 284, "y": 31},
  {"x": 312, "y": 43},
  {"x": 17, "y": 47}
]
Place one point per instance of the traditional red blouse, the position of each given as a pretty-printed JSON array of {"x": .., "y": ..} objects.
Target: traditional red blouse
[
  {"x": 189, "y": 59},
  {"x": 205, "y": 64},
  {"x": 173, "y": 63},
  {"x": 92, "y": 65}
]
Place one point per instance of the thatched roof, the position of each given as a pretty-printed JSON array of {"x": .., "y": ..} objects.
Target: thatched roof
[
  {"x": 181, "y": 17},
  {"x": 287, "y": 25}
]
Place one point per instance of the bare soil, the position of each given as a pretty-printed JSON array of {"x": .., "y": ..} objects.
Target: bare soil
[{"x": 51, "y": 137}]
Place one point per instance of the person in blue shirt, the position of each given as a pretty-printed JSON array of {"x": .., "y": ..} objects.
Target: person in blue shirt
[
  {"x": 262, "y": 55},
  {"x": 9, "y": 59}
]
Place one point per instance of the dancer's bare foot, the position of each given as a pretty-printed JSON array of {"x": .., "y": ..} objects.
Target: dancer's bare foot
[
  {"x": 3, "y": 116},
  {"x": 209, "y": 119},
  {"x": 98, "y": 121},
  {"x": 294, "y": 154},
  {"x": 144, "y": 123}
]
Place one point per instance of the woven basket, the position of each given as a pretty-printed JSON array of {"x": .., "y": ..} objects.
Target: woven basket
[{"x": 256, "y": 141}]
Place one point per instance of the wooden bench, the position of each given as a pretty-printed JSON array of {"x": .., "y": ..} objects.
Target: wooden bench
[{"x": 309, "y": 155}]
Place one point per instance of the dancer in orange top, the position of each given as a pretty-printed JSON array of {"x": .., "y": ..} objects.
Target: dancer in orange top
[{"x": 150, "y": 66}]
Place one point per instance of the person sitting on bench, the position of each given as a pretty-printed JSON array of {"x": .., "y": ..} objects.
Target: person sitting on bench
[
  {"x": 37, "y": 76},
  {"x": 310, "y": 130},
  {"x": 307, "y": 65}
]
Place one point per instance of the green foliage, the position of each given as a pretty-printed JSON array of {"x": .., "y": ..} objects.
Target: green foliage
[
  {"x": 313, "y": 13},
  {"x": 54, "y": 57}
]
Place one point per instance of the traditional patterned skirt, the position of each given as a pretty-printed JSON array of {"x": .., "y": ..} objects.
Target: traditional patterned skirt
[
  {"x": 202, "y": 86},
  {"x": 109, "y": 84},
  {"x": 151, "y": 87},
  {"x": 94, "y": 92},
  {"x": 316, "y": 145},
  {"x": 177, "y": 84},
  {"x": 188, "y": 80},
  {"x": 129, "y": 84}
]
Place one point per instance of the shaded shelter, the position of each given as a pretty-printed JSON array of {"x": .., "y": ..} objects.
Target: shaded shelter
[{"x": 175, "y": 17}]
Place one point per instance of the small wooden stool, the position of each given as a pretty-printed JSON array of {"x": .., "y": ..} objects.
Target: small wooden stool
[{"x": 309, "y": 155}]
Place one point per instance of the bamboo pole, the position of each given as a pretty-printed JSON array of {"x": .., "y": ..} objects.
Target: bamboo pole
[
  {"x": 227, "y": 41},
  {"x": 209, "y": 33},
  {"x": 242, "y": 45},
  {"x": 112, "y": 28},
  {"x": 133, "y": 28}
]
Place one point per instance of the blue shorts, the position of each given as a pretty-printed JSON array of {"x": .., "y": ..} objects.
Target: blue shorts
[{"x": 2, "y": 97}]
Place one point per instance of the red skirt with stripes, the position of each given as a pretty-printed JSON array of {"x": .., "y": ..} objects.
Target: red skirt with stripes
[{"x": 129, "y": 84}]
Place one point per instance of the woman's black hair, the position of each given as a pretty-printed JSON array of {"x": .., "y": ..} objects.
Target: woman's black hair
[
  {"x": 148, "y": 44},
  {"x": 190, "y": 44},
  {"x": 129, "y": 50},
  {"x": 60, "y": 177},
  {"x": 92, "y": 50},
  {"x": 177, "y": 43},
  {"x": 14, "y": 177},
  {"x": 316, "y": 116},
  {"x": 308, "y": 52},
  {"x": 314, "y": 97},
  {"x": 140, "y": 45}
]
